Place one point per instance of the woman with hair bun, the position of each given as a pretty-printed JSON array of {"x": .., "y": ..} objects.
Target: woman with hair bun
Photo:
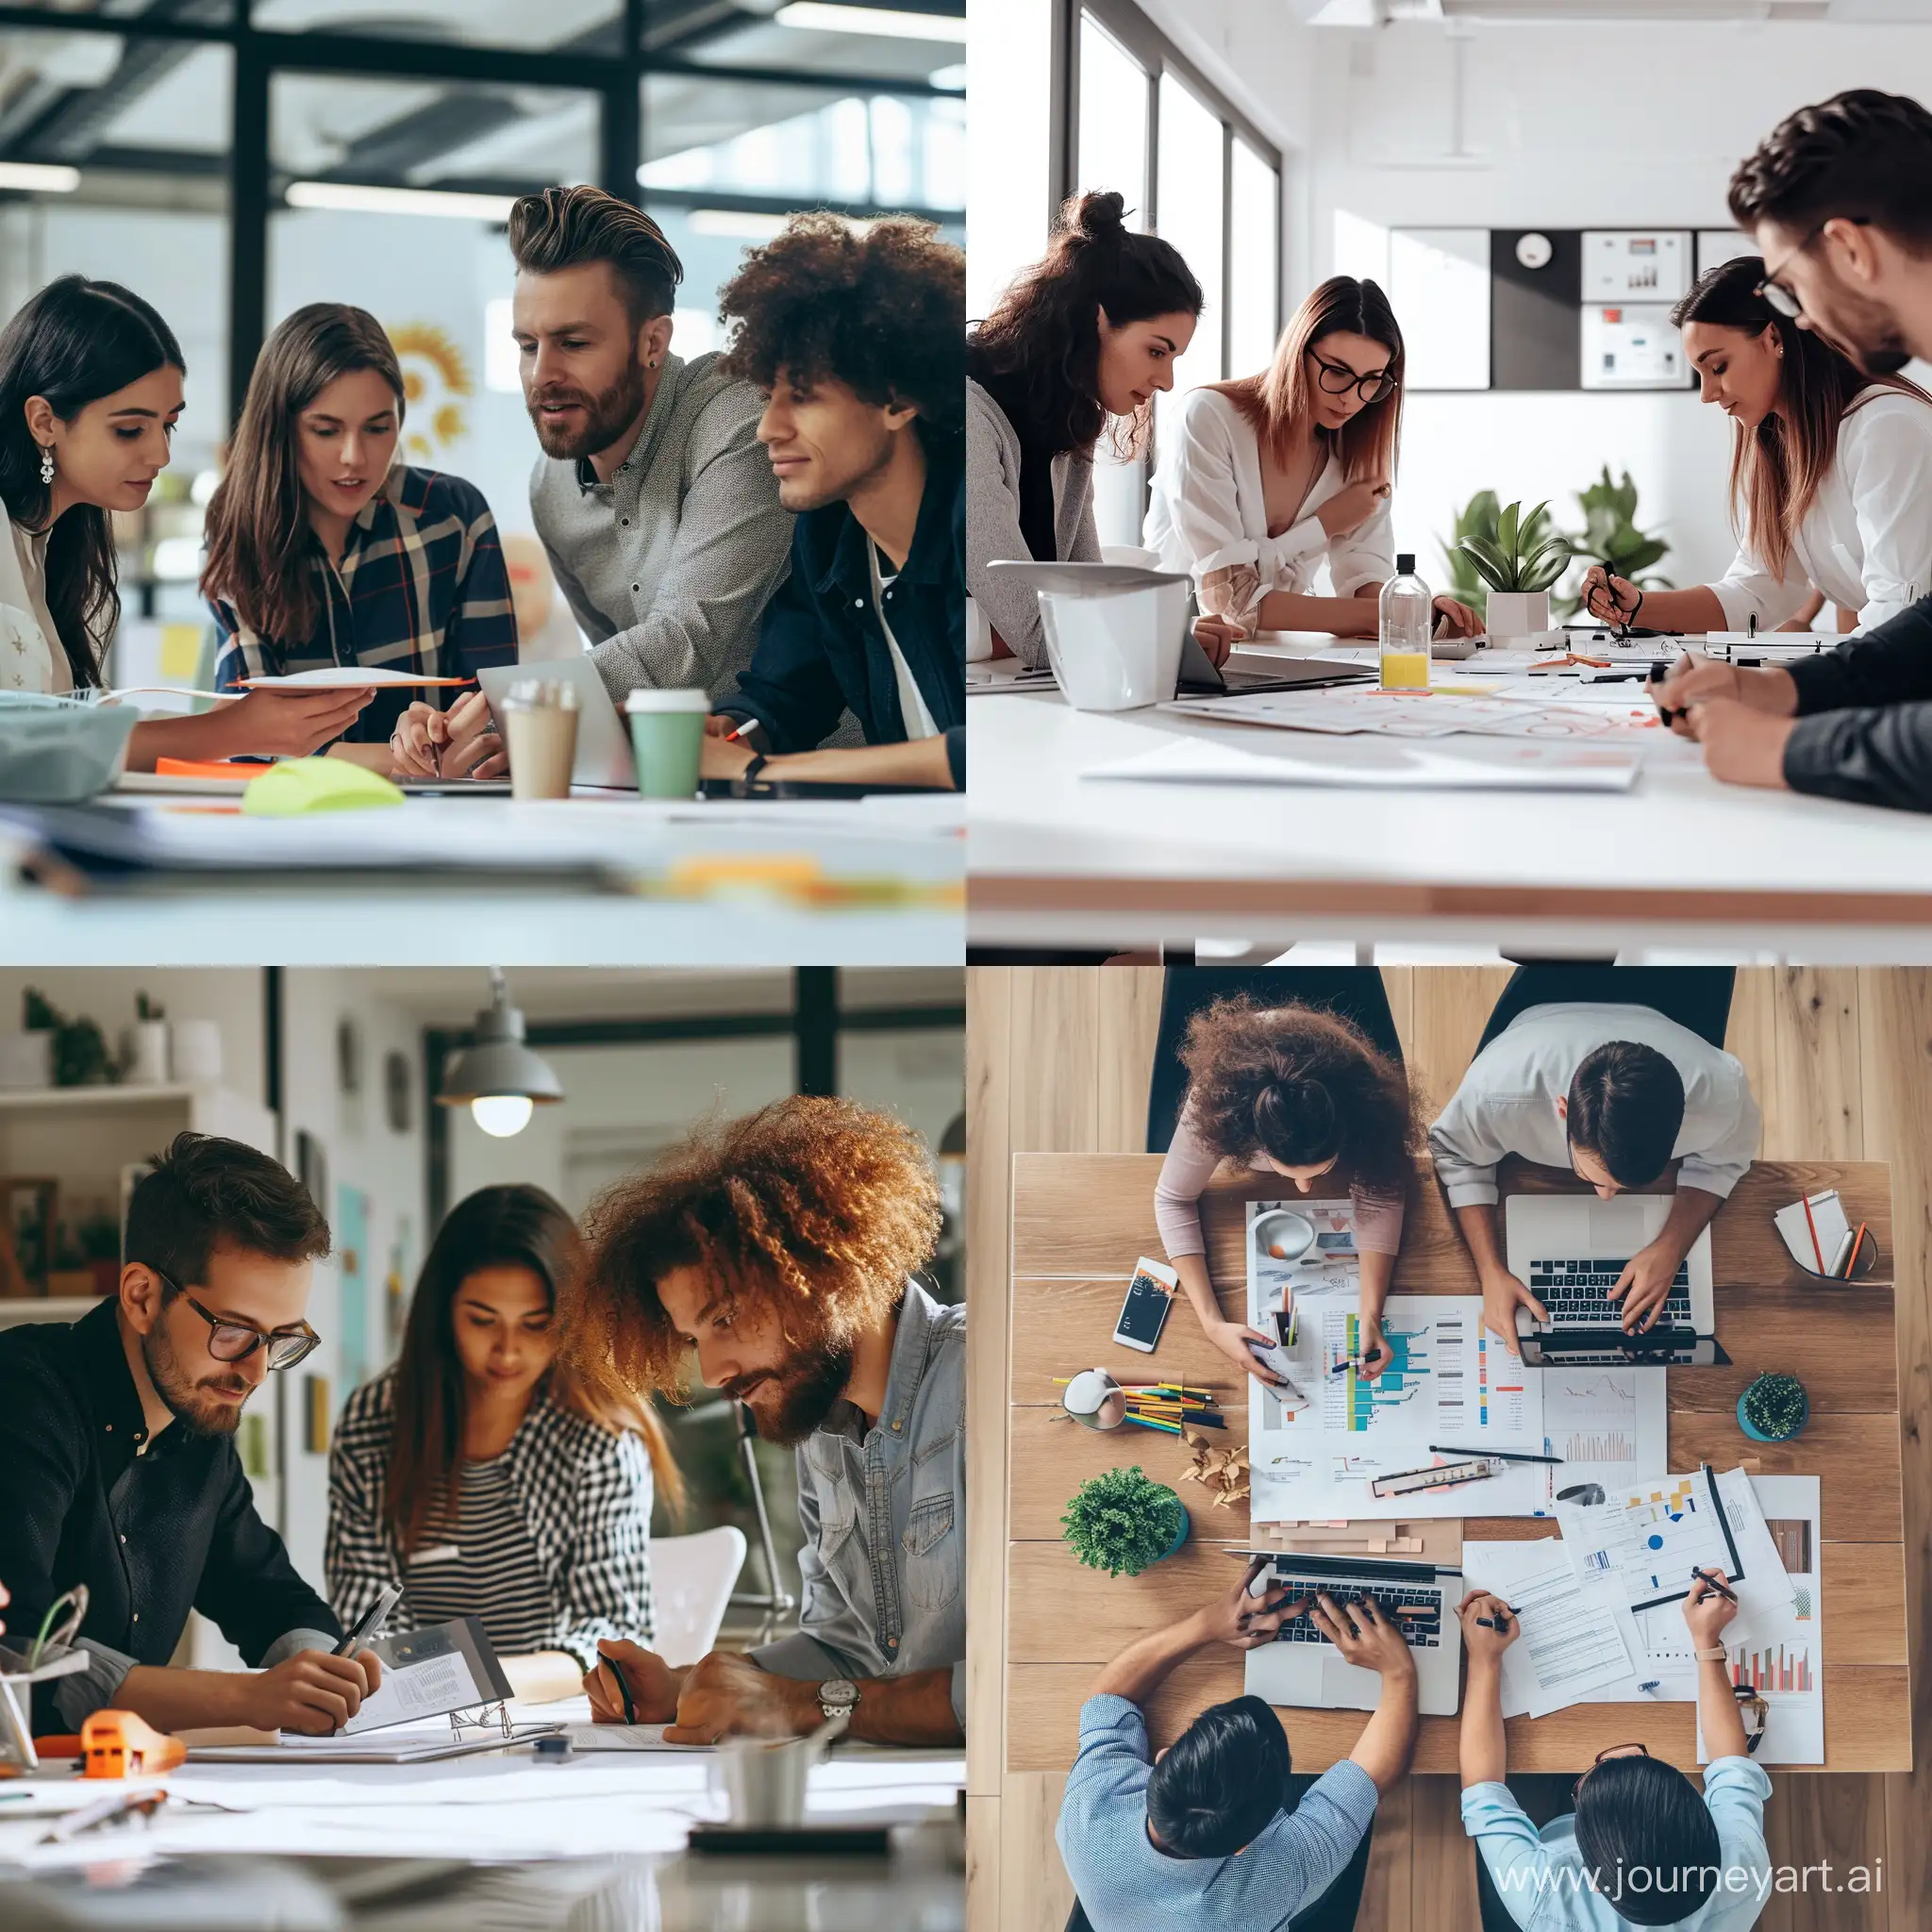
[
  {"x": 1088, "y": 333},
  {"x": 1292, "y": 1072}
]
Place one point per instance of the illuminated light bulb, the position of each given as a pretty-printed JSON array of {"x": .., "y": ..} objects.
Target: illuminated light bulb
[{"x": 500, "y": 1115}]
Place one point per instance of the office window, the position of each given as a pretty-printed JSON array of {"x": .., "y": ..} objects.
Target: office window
[
  {"x": 1254, "y": 260},
  {"x": 1114, "y": 102},
  {"x": 578, "y": 26}
]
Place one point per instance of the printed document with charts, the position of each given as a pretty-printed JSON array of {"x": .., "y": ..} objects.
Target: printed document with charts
[{"x": 1449, "y": 1382}]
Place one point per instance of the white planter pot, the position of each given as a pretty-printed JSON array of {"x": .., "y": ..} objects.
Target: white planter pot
[
  {"x": 1117, "y": 650},
  {"x": 197, "y": 1052},
  {"x": 1516, "y": 613},
  {"x": 26, "y": 1062},
  {"x": 146, "y": 1052}
]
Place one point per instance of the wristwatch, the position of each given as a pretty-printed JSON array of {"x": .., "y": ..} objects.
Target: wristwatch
[
  {"x": 1715, "y": 1655},
  {"x": 838, "y": 1697}
]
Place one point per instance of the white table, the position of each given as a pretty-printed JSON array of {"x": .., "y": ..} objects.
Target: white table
[
  {"x": 1679, "y": 863},
  {"x": 393, "y": 900}
]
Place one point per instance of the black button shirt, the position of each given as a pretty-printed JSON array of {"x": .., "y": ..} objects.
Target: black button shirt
[{"x": 153, "y": 1530}]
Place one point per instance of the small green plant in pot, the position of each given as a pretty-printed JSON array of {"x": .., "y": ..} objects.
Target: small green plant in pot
[
  {"x": 1773, "y": 1408},
  {"x": 1122, "y": 1521},
  {"x": 1519, "y": 563}
]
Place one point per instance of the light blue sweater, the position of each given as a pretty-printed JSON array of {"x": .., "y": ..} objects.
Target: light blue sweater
[
  {"x": 1125, "y": 1881},
  {"x": 1543, "y": 1882}
]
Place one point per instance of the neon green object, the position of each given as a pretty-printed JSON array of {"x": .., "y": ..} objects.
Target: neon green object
[{"x": 297, "y": 787}]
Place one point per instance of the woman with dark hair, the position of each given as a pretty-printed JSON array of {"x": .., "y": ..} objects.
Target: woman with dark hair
[
  {"x": 1089, "y": 332},
  {"x": 487, "y": 1476},
  {"x": 1831, "y": 473},
  {"x": 1263, "y": 479},
  {"x": 1304, "y": 1088},
  {"x": 325, "y": 552},
  {"x": 91, "y": 390}
]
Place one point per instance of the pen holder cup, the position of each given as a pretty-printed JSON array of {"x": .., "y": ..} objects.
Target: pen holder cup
[
  {"x": 764, "y": 1784},
  {"x": 1865, "y": 1265},
  {"x": 542, "y": 741}
]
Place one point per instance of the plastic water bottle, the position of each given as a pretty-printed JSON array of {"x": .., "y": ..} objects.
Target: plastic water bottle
[{"x": 1408, "y": 611}]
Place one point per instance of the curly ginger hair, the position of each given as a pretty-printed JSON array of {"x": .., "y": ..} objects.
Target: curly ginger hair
[{"x": 816, "y": 1209}]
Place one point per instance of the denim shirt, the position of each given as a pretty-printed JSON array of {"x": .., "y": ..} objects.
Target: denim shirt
[{"x": 883, "y": 1515}]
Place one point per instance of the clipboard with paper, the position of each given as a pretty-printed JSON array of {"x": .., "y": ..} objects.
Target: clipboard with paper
[{"x": 436, "y": 1673}]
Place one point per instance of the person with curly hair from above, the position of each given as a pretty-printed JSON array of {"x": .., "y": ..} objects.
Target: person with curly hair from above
[
  {"x": 855, "y": 341},
  {"x": 775, "y": 1255},
  {"x": 1304, "y": 1087}
]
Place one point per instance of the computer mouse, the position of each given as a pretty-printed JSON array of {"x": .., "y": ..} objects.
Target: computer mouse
[{"x": 296, "y": 787}]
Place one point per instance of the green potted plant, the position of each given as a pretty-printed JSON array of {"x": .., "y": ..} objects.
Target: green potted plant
[
  {"x": 1122, "y": 1521},
  {"x": 1773, "y": 1408},
  {"x": 1610, "y": 534},
  {"x": 1519, "y": 563},
  {"x": 1477, "y": 518}
]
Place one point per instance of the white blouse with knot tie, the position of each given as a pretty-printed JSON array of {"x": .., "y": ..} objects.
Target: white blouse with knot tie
[{"x": 30, "y": 654}]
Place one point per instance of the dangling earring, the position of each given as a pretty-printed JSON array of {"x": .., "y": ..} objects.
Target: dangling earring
[{"x": 46, "y": 462}]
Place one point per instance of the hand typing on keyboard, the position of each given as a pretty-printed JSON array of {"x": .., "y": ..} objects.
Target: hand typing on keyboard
[
  {"x": 1362, "y": 1634},
  {"x": 1644, "y": 1283}
]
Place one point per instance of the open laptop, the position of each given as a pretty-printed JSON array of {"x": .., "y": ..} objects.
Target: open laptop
[
  {"x": 603, "y": 749},
  {"x": 1201, "y": 677},
  {"x": 1303, "y": 1667},
  {"x": 1570, "y": 1249}
]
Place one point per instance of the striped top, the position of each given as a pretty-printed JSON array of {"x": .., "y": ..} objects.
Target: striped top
[
  {"x": 496, "y": 1574},
  {"x": 580, "y": 1572}
]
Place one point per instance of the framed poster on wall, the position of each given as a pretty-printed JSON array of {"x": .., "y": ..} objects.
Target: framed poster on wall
[{"x": 1632, "y": 346}]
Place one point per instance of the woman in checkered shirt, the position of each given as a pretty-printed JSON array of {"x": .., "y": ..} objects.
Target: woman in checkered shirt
[
  {"x": 485, "y": 1477},
  {"x": 327, "y": 552}
]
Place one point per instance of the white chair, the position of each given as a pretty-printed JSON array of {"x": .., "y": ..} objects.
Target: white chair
[{"x": 691, "y": 1580}]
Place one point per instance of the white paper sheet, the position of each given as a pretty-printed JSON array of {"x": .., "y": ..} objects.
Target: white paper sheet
[
  {"x": 1501, "y": 765},
  {"x": 1575, "y": 1639},
  {"x": 346, "y": 677},
  {"x": 1444, "y": 715}
]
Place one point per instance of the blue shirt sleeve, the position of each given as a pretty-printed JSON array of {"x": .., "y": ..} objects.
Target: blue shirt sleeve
[
  {"x": 1735, "y": 1790},
  {"x": 1320, "y": 1835},
  {"x": 1509, "y": 1846}
]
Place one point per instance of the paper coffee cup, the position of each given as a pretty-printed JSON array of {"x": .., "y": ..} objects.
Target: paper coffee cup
[
  {"x": 542, "y": 741},
  {"x": 667, "y": 735}
]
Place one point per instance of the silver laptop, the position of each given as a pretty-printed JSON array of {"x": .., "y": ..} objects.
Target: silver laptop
[
  {"x": 1302, "y": 1667},
  {"x": 603, "y": 749},
  {"x": 1571, "y": 1248}
]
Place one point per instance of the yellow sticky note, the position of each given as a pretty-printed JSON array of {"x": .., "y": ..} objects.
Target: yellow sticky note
[{"x": 180, "y": 651}]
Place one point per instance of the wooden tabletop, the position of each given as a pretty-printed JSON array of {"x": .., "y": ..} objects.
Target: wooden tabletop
[{"x": 1081, "y": 1220}]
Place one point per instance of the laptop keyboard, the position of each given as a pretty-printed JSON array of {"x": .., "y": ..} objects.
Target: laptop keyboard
[
  {"x": 1416, "y": 1613},
  {"x": 1577, "y": 1293}
]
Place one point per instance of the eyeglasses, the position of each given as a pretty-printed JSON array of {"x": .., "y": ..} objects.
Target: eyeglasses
[
  {"x": 1773, "y": 291},
  {"x": 1614, "y": 1751},
  {"x": 230, "y": 1340},
  {"x": 1756, "y": 1712},
  {"x": 1338, "y": 378}
]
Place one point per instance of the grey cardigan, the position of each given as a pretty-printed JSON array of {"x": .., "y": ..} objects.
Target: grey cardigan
[{"x": 992, "y": 522}]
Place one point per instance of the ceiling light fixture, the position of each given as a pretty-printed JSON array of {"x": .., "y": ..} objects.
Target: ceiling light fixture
[
  {"x": 497, "y": 1076},
  {"x": 826, "y": 17},
  {"x": 37, "y": 178},
  {"x": 362, "y": 198}
]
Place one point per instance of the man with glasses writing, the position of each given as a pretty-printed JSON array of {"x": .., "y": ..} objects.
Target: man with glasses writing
[
  {"x": 119, "y": 1472},
  {"x": 1839, "y": 199}
]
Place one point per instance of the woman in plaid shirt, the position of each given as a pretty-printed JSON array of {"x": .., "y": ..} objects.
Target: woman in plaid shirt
[
  {"x": 323, "y": 551},
  {"x": 488, "y": 1480}
]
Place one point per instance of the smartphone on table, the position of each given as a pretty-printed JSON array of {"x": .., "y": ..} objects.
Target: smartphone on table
[{"x": 1144, "y": 1312}]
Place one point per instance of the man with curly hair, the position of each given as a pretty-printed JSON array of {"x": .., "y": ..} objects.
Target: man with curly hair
[
  {"x": 776, "y": 1254},
  {"x": 857, "y": 341}
]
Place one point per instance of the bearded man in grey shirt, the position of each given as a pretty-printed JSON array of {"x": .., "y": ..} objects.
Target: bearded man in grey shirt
[{"x": 655, "y": 501}]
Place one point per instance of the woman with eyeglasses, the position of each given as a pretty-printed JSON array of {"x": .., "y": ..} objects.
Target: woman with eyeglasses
[
  {"x": 484, "y": 1476},
  {"x": 1264, "y": 479},
  {"x": 1644, "y": 1845},
  {"x": 1074, "y": 348},
  {"x": 1831, "y": 471}
]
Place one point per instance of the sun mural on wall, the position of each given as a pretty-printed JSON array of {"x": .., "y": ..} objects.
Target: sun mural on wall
[{"x": 436, "y": 382}]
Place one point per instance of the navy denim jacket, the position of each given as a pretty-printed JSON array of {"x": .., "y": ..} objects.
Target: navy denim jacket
[
  {"x": 821, "y": 650},
  {"x": 883, "y": 1515}
]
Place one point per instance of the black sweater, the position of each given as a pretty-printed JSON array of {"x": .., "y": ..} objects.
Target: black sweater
[{"x": 1864, "y": 728}]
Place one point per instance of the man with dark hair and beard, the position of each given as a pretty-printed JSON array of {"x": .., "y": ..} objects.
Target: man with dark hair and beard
[
  {"x": 775, "y": 1254},
  {"x": 119, "y": 1473},
  {"x": 1838, "y": 199}
]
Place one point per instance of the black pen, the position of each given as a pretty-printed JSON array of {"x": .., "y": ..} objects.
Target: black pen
[
  {"x": 1494, "y": 1454},
  {"x": 630, "y": 1709},
  {"x": 369, "y": 1626},
  {"x": 1703, "y": 1577}
]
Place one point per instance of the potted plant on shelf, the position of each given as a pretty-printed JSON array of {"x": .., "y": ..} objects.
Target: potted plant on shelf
[
  {"x": 1611, "y": 534},
  {"x": 1122, "y": 1521},
  {"x": 1519, "y": 563},
  {"x": 1773, "y": 1408}
]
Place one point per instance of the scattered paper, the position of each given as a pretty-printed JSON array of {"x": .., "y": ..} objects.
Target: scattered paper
[
  {"x": 346, "y": 677},
  {"x": 1575, "y": 1638},
  {"x": 1444, "y": 715}
]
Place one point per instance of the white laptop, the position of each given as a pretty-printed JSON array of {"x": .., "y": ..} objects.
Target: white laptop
[
  {"x": 1303, "y": 1667},
  {"x": 1571, "y": 1248},
  {"x": 604, "y": 748}
]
